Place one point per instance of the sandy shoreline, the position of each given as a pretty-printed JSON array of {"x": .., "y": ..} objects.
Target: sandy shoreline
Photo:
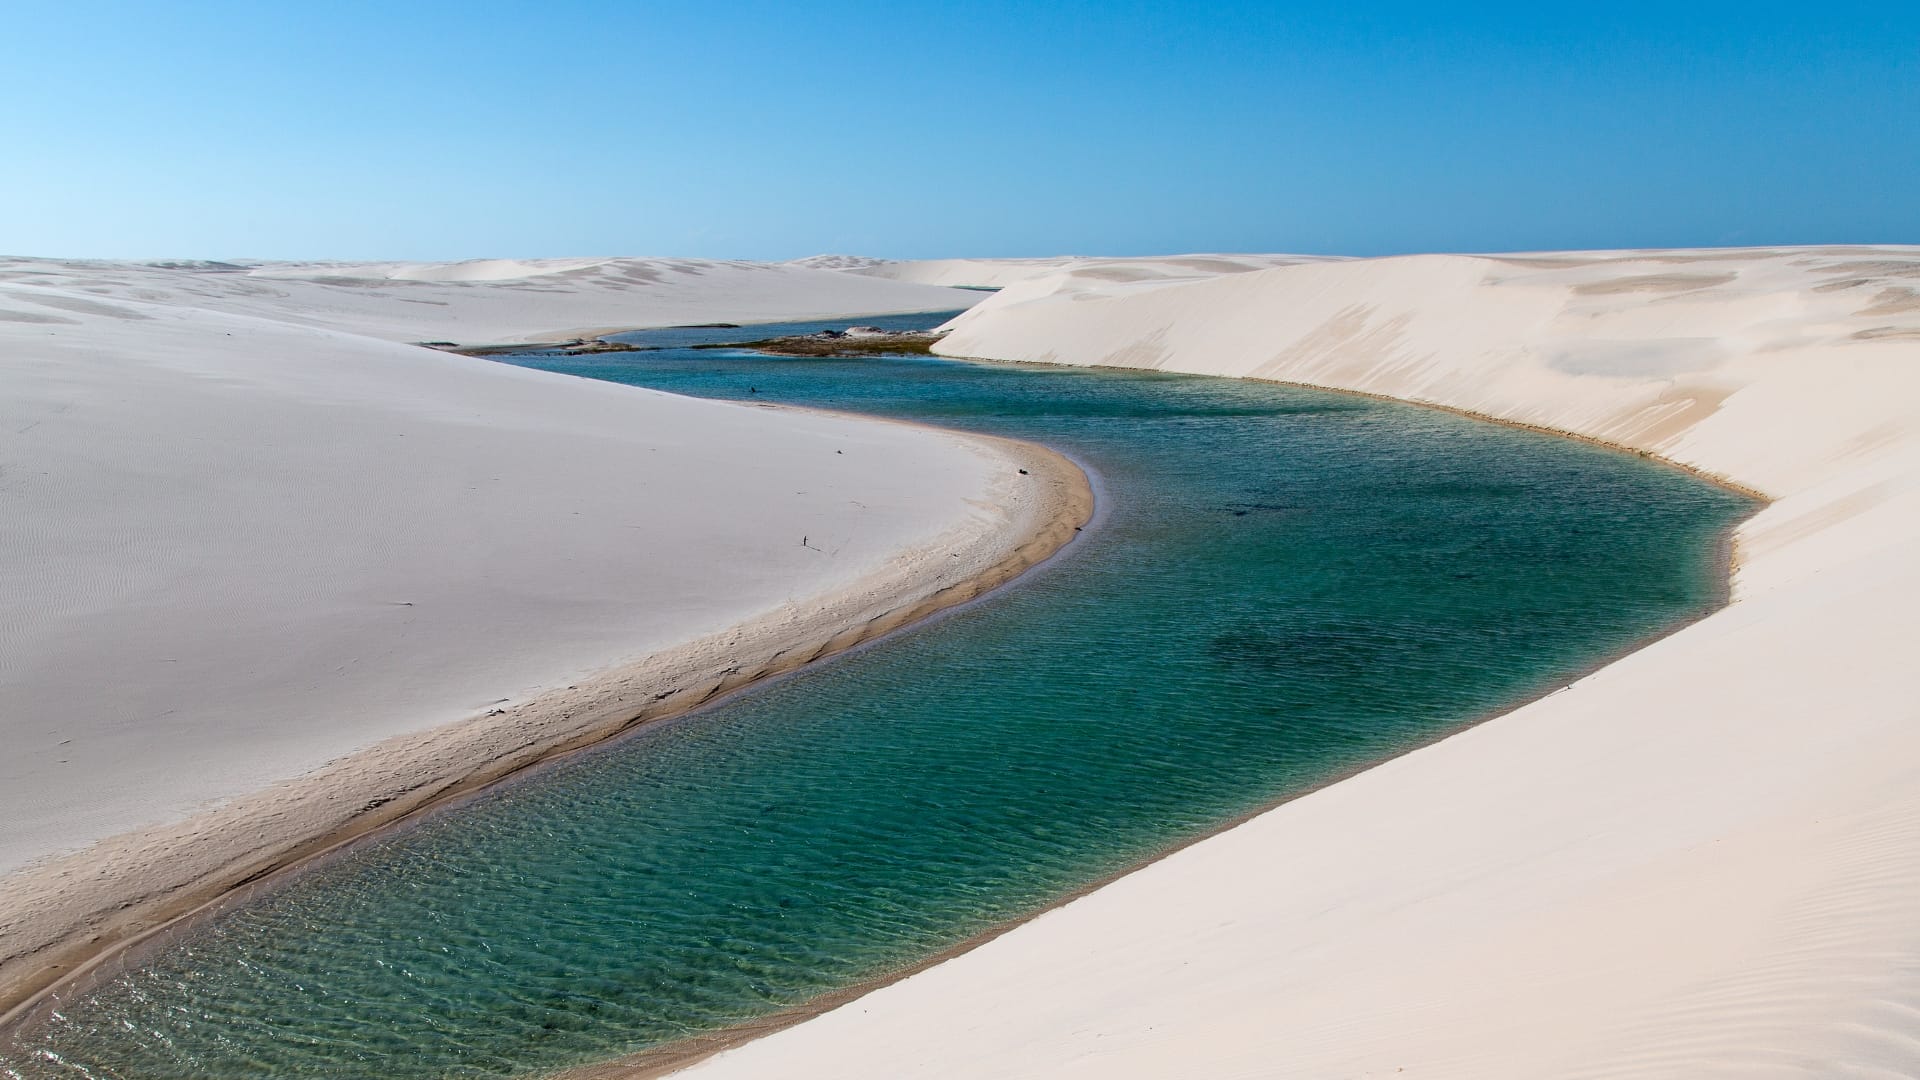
[
  {"x": 134, "y": 890},
  {"x": 422, "y": 572}
]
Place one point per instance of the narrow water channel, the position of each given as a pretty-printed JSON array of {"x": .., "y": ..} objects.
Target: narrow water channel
[{"x": 1285, "y": 585}]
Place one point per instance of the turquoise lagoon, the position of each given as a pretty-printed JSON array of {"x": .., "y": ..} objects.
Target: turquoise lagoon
[{"x": 1283, "y": 585}]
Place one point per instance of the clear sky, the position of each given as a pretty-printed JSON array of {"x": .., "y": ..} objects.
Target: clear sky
[{"x": 417, "y": 130}]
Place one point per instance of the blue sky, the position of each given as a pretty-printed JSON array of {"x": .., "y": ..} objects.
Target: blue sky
[{"x": 751, "y": 130}]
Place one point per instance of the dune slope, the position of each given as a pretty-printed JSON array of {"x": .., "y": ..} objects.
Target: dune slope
[{"x": 268, "y": 576}]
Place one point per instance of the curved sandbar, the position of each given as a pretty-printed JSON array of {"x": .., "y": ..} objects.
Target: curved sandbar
[
  {"x": 1695, "y": 861},
  {"x": 253, "y": 550}
]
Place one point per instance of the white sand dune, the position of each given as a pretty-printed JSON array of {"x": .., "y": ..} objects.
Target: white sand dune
[
  {"x": 1699, "y": 861},
  {"x": 242, "y": 537}
]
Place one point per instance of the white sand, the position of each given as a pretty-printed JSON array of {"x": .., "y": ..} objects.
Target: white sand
[
  {"x": 1703, "y": 860},
  {"x": 999, "y": 273},
  {"x": 486, "y": 301},
  {"x": 241, "y": 537}
]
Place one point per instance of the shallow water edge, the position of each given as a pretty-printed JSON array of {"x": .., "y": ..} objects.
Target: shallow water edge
[
  {"x": 672, "y": 1057},
  {"x": 117, "y": 931}
]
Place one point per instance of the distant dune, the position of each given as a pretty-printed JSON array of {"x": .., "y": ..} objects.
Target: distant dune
[
  {"x": 483, "y": 301},
  {"x": 997, "y": 273},
  {"x": 1699, "y": 861}
]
